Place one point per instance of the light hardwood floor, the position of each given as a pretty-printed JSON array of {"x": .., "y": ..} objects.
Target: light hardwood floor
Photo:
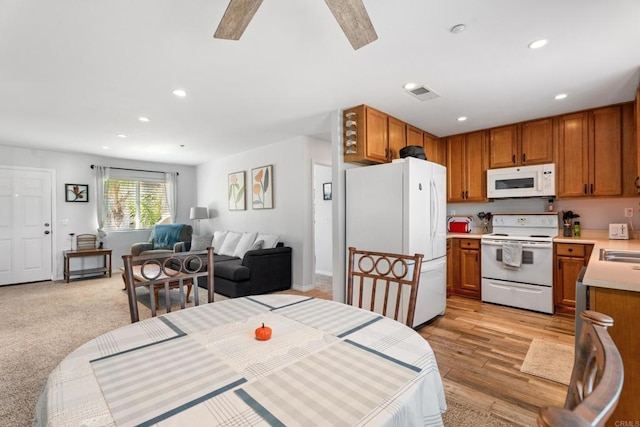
[{"x": 480, "y": 349}]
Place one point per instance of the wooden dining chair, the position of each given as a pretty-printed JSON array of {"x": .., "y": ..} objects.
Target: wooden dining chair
[
  {"x": 596, "y": 379},
  {"x": 385, "y": 283},
  {"x": 166, "y": 271}
]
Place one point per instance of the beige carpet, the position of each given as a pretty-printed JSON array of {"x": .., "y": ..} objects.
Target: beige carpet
[
  {"x": 550, "y": 360},
  {"x": 43, "y": 322}
]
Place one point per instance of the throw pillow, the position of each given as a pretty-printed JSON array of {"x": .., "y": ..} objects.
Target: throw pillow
[
  {"x": 218, "y": 240},
  {"x": 244, "y": 244},
  {"x": 200, "y": 243},
  {"x": 230, "y": 243},
  {"x": 270, "y": 240},
  {"x": 258, "y": 244}
]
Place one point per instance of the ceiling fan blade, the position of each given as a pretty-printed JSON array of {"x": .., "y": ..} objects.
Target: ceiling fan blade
[
  {"x": 236, "y": 18},
  {"x": 354, "y": 21}
]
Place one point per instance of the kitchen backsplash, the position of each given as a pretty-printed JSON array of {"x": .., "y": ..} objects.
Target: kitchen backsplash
[{"x": 595, "y": 214}]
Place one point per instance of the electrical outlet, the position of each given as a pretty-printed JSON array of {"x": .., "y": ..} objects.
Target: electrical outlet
[{"x": 628, "y": 212}]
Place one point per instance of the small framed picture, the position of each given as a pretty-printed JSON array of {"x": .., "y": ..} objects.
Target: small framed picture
[
  {"x": 76, "y": 192},
  {"x": 262, "y": 187},
  {"x": 235, "y": 183},
  {"x": 326, "y": 191}
]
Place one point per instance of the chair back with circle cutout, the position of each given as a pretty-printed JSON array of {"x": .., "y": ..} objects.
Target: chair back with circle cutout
[
  {"x": 385, "y": 283},
  {"x": 166, "y": 272}
]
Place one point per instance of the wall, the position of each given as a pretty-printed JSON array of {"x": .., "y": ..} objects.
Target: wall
[
  {"x": 323, "y": 222},
  {"x": 595, "y": 214},
  {"x": 292, "y": 215},
  {"x": 81, "y": 217}
]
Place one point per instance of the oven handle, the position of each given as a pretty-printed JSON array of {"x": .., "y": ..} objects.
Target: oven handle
[{"x": 541, "y": 245}]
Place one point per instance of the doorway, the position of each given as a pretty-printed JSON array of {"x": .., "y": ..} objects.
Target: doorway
[
  {"x": 323, "y": 228},
  {"x": 25, "y": 225}
]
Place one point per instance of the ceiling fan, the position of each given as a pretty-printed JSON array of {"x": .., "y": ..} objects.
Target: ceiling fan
[{"x": 350, "y": 14}]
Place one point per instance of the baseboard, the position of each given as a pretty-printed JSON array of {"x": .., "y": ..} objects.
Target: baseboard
[
  {"x": 303, "y": 288},
  {"x": 325, "y": 273}
]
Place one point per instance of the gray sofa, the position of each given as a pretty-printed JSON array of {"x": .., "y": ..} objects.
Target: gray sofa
[{"x": 259, "y": 271}]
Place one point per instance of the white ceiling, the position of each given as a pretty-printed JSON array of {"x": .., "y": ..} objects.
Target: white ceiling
[{"x": 75, "y": 73}]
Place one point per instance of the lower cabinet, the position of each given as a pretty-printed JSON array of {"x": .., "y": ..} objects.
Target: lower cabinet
[
  {"x": 465, "y": 276},
  {"x": 449, "y": 267},
  {"x": 569, "y": 260}
]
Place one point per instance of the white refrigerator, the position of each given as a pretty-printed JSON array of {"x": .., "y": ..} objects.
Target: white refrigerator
[{"x": 400, "y": 207}]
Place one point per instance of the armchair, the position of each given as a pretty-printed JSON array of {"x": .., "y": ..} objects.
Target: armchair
[{"x": 163, "y": 239}]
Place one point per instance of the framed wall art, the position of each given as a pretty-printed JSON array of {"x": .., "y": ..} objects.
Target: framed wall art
[
  {"x": 326, "y": 191},
  {"x": 262, "y": 187},
  {"x": 236, "y": 193},
  {"x": 76, "y": 193}
]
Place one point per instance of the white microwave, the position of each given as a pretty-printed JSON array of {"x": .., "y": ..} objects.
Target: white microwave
[{"x": 524, "y": 181}]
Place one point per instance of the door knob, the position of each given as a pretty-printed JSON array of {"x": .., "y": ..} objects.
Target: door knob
[
  {"x": 47, "y": 232},
  {"x": 46, "y": 224}
]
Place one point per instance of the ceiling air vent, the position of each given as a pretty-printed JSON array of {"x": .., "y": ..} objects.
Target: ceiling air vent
[{"x": 423, "y": 93}]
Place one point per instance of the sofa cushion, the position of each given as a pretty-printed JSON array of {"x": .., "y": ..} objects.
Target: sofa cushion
[
  {"x": 232, "y": 270},
  {"x": 245, "y": 243},
  {"x": 164, "y": 236},
  {"x": 270, "y": 240},
  {"x": 230, "y": 243},
  {"x": 200, "y": 243},
  {"x": 258, "y": 244},
  {"x": 218, "y": 240}
]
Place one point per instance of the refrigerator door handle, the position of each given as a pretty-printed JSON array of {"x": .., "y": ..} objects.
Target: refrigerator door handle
[{"x": 434, "y": 210}]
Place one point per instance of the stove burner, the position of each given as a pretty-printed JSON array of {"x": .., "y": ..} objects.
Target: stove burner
[{"x": 540, "y": 235}]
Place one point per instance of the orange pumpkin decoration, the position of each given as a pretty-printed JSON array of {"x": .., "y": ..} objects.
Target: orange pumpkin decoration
[{"x": 263, "y": 333}]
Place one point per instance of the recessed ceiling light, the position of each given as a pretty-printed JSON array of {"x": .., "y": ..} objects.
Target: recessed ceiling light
[
  {"x": 537, "y": 44},
  {"x": 409, "y": 86},
  {"x": 105, "y": 148},
  {"x": 461, "y": 118},
  {"x": 122, "y": 135},
  {"x": 180, "y": 93},
  {"x": 457, "y": 29},
  {"x": 560, "y": 96},
  {"x": 143, "y": 119}
]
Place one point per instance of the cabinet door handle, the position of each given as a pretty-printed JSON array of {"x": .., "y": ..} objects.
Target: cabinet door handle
[
  {"x": 559, "y": 265},
  {"x": 636, "y": 182},
  {"x": 585, "y": 189},
  {"x": 462, "y": 195},
  {"x": 513, "y": 158},
  {"x": 524, "y": 158},
  {"x": 591, "y": 188},
  {"x": 466, "y": 194},
  {"x": 570, "y": 249}
]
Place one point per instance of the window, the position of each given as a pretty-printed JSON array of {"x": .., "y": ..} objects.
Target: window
[{"x": 135, "y": 200}]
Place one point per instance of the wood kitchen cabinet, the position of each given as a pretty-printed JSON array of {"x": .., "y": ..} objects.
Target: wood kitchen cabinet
[
  {"x": 569, "y": 260},
  {"x": 590, "y": 153},
  {"x": 466, "y": 167},
  {"x": 397, "y": 137},
  {"x": 466, "y": 274},
  {"x": 414, "y": 136},
  {"x": 637, "y": 138},
  {"x": 624, "y": 308},
  {"x": 435, "y": 148},
  {"x": 449, "y": 267},
  {"x": 528, "y": 143}
]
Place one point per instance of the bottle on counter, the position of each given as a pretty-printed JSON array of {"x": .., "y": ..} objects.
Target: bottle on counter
[
  {"x": 576, "y": 229},
  {"x": 550, "y": 205}
]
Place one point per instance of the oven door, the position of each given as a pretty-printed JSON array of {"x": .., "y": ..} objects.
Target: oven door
[{"x": 536, "y": 267}]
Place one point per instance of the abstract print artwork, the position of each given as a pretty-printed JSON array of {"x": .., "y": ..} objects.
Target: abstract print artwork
[
  {"x": 236, "y": 191},
  {"x": 262, "y": 187}
]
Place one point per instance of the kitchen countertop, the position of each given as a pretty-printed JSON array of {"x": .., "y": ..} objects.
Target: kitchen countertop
[{"x": 604, "y": 274}]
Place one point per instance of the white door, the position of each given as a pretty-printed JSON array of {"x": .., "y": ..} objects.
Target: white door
[{"x": 25, "y": 225}]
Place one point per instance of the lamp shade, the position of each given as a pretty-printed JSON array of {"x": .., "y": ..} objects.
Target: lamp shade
[{"x": 198, "y": 213}]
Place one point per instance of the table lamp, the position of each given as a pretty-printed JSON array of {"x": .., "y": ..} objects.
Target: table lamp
[{"x": 198, "y": 213}]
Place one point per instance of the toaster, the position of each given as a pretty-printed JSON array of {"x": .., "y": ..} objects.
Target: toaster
[
  {"x": 459, "y": 225},
  {"x": 618, "y": 231}
]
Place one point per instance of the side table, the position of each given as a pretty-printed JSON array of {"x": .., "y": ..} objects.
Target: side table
[{"x": 83, "y": 253}]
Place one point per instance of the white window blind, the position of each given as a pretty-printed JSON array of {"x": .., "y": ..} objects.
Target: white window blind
[{"x": 135, "y": 200}]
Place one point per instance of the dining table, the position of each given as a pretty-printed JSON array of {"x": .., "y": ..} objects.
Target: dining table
[{"x": 326, "y": 363}]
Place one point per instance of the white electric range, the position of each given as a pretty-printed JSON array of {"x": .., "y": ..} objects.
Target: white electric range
[{"x": 529, "y": 284}]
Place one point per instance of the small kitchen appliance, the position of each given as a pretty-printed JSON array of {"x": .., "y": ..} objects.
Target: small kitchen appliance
[
  {"x": 459, "y": 224},
  {"x": 618, "y": 232},
  {"x": 522, "y": 181}
]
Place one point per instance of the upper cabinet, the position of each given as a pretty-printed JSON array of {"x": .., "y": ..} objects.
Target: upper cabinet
[
  {"x": 435, "y": 148},
  {"x": 467, "y": 167},
  {"x": 590, "y": 153},
  {"x": 371, "y": 136},
  {"x": 528, "y": 143},
  {"x": 637, "y": 138}
]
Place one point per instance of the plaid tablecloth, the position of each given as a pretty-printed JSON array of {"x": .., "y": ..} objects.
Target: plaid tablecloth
[{"x": 326, "y": 364}]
